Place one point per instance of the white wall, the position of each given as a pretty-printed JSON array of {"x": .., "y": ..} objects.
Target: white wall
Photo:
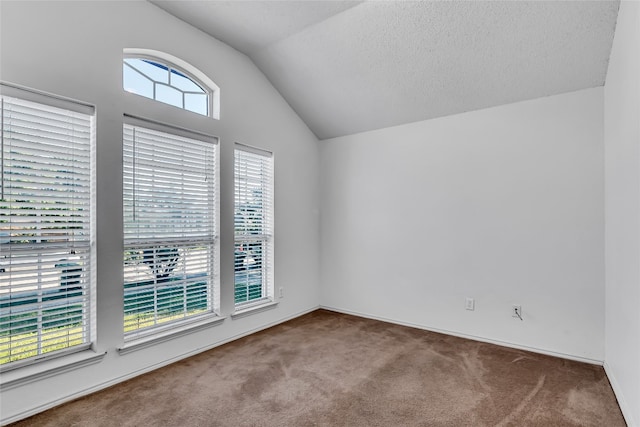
[
  {"x": 75, "y": 50},
  {"x": 504, "y": 205},
  {"x": 622, "y": 207}
]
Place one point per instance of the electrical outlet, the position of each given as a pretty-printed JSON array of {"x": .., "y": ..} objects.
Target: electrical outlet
[
  {"x": 281, "y": 292},
  {"x": 469, "y": 304},
  {"x": 516, "y": 311}
]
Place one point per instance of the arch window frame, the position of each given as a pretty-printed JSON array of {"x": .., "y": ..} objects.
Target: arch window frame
[{"x": 173, "y": 66}]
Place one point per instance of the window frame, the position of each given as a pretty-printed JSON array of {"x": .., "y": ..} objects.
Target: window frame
[
  {"x": 184, "y": 68},
  {"x": 212, "y": 314},
  {"x": 86, "y": 274},
  {"x": 267, "y": 297}
]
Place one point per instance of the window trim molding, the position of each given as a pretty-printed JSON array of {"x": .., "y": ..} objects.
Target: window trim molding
[
  {"x": 55, "y": 361},
  {"x": 188, "y": 69},
  {"x": 252, "y": 149},
  {"x": 134, "y": 120},
  {"x": 46, "y": 357},
  {"x": 170, "y": 332},
  {"x": 248, "y": 308},
  {"x": 174, "y": 329},
  {"x": 269, "y": 299},
  {"x": 47, "y": 368},
  {"x": 38, "y": 96}
]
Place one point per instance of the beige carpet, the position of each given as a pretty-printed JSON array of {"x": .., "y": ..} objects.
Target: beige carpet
[{"x": 329, "y": 369}]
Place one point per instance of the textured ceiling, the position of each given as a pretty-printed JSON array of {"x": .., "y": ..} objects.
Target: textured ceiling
[
  {"x": 251, "y": 25},
  {"x": 348, "y": 67}
]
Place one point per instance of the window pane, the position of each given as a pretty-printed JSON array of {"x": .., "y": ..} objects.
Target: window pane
[
  {"x": 165, "y": 84},
  {"x": 253, "y": 222},
  {"x": 166, "y": 283},
  {"x": 44, "y": 229},
  {"x": 156, "y": 72},
  {"x": 169, "y": 95},
  {"x": 249, "y": 267},
  {"x": 196, "y": 103},
  {"x": 134, "y": 82},
  {"x": 185, "y": 84},
  {"x": 169, "y": 191}
]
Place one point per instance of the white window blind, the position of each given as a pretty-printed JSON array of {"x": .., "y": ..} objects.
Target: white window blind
[
  {"x": 253, "y": 213},
  {"x": 170, "y": 228},
  {"x": 45, "y": 229}
]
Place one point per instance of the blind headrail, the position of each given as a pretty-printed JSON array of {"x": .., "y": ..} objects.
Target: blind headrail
[
  {"x": 33, "y": 95},
  {"x": 133, "y": 120}
]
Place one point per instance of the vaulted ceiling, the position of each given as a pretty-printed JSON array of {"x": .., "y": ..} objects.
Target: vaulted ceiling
[{"x": 347, "y": 66}]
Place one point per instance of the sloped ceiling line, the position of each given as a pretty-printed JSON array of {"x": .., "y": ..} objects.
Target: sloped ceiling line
[{"x": 348, "y": 67}]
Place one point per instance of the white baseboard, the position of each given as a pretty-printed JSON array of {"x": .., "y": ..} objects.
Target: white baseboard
[
  {"x": 114, "y": 381},
  {"x": 467, "y": 336},
  {"x": 624, "y": 407}
]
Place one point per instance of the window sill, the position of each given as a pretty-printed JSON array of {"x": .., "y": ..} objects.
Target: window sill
[
  {"x": 48, "y": 368},
  {"x": 253, "y": 308},
  {"x": 151, "y": 339}
]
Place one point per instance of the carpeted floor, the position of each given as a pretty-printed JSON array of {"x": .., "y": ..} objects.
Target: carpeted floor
[{"x": 329, "y": 369}]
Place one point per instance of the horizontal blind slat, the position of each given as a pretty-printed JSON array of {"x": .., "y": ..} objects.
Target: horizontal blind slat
[{"x": 169, "y": 196}]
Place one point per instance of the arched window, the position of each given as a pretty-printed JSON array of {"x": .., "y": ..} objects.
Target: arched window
[
  {"x": 167, "y": 79},
  {"x": 170, "y": 201}
]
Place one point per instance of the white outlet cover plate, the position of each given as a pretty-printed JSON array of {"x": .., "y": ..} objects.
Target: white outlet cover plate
[{"x": 469, "y": 304}]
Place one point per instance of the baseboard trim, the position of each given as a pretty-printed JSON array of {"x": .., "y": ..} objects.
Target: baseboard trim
[
  {"x": 134, "y": 374},
  {"x": 617, "y": 391},
  {"x": 468, "y": 336}
]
